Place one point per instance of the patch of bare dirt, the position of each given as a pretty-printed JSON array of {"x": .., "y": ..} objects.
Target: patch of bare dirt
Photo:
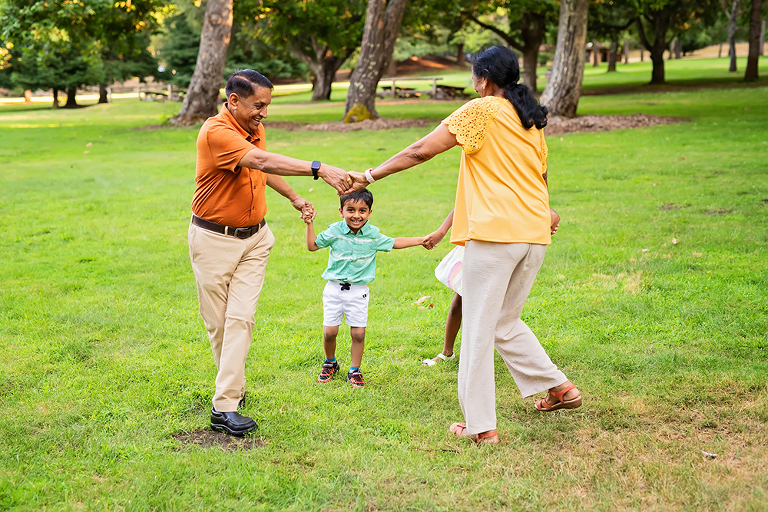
[
  {"x": 556, "y": 125},
  {"x": 208, "y": 438}
]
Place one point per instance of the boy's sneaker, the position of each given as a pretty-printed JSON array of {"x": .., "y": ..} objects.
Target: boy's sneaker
[
  {"x": 356, "y": 378},
  {"x": 327, "y": 372}
]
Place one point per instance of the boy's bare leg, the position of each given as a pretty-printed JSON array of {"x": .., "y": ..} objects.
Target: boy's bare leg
[
  {"x": 358, "y": 345},
  {"x": 329, "y": 340}
]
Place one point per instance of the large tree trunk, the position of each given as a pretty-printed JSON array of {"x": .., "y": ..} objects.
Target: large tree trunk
[
  {"x": 71, "y": 100},
  {"x": 754, "y": 41},
  {"x": 626, "y": 52},
  {"x": 55, "y": 92},
  {"x": 762, "y": 38},
  {"x": 612, "y": 54},
  {"x": 561, "y": 95},
  {"x": 103, "y": 93},
  {"x": 533, "y": 30},
  {"x": 202, "y": 99},
  {"x": 732, "y": 35},
  {"x": 461, "y": 58},
  {"x": 530, "y": 61},
  {"x": 382, "y": 24},
  {"x": 678, "y": 48}
]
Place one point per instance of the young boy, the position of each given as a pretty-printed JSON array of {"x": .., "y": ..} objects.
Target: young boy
[{"x": 351, "y": 266}]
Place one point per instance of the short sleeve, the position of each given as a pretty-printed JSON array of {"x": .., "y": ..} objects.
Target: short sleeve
[
  {"x": 323, "y": 240},
  {"x": 227, "y": 147},
  {"x": 471, "y": 121},
  {"x": 544, "y": 153},
  {"x": 384, "y": 243}
]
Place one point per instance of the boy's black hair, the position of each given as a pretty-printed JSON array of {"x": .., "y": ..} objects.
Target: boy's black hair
[
  {"x": 361, "y": 195},
  {"x": 244, "y": 83}
]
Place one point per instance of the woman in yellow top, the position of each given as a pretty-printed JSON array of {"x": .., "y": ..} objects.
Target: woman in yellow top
[{"x": 503, "y": 219}]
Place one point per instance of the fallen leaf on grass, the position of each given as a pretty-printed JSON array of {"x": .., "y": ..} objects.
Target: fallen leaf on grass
[
  {"x": 708, "y": 455},
  {"x": 430, "y": 306},
  {"x": 674, "y": 241},
  {"x": 682, "y": 158},
  {"x": 89, "y": 144},
  {"x": 645, "y": 250},
  {"x": 281, "y": 409},
  {"x": 422, "y": 299},
  {"x": 86, "y": 152}
]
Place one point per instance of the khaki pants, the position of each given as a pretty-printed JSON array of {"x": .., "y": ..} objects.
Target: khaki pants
[
  {"x": 229, "y": 274},
  {"x": 497, "y": 279}
]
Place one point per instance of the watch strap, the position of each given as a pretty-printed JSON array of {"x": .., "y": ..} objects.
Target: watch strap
[{"x": 369, "y": 176}]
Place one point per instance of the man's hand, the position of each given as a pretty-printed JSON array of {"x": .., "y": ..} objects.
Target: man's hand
[
  {"x": 336, "y": 177},
  {"x": 359, "y": 181},
  {"x": 555, "y": 221},
  {"x": 432, "y": 239},
  {"x": 305, "y": 207}
]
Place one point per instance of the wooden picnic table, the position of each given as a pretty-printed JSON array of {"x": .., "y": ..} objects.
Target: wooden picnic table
[{"x": 394, "y": 87}]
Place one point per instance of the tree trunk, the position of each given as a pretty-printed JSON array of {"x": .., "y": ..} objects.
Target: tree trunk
[
  {"x": 626, "y": 52},
  {"x": 533, "y": 30},
  {"x": 656, "y": 47},
  {"x": 382, "y": 24},
  {"x": 461, "y": 58},
  {"x": 595, "y": 57},
  {"x": 324, "y": 65},
  {"x": 203, "y": 97},
  {"x": 754, "y": 42},
  {"x": 642, "y": 56},
  {"x": 530, "y": 62},
  {"x": 103, "y": 93},
  {"x": 761, "y": 46},
  {"x": 732, "y": 35},
  {"x": 612, "y": 54},
  {"x": 678, "y": 48},
  {"x": 71, "y": 100},
  {"x": 720, "y": 50},
  {"x": 55, "y": 93},
  {"x": 561, "y": 95}
]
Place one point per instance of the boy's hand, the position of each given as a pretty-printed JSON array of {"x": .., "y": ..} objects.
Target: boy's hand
[
  {"x": 555, "y": 221},
  {"x": 432, "y": 239}
]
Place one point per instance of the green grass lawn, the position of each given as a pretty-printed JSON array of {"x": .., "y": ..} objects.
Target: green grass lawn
[{"x": 653, "y": 299}]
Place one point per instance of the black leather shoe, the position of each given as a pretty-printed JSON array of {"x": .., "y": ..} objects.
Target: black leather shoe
[{"x": 232, "y": 423}]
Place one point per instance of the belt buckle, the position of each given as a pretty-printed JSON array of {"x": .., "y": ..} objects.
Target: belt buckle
[{"x": 242, "y": 233}]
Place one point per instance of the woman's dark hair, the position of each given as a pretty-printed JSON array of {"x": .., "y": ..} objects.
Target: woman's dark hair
[
  {"x": 499, "y": 65},
  {"x": 244, "y": 83}
]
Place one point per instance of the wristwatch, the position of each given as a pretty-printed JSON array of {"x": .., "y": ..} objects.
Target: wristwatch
[
  {"x": 315, "y": 168},
  {"x": 369, "y": 176}
]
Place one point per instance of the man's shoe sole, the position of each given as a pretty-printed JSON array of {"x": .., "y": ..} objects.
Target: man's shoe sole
[{"x": 227, "y": 430}]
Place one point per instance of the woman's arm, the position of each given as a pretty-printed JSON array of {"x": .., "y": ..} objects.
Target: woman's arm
[
  {"x": 440, "y": 140},
  {"x": 432, "y": 239}
]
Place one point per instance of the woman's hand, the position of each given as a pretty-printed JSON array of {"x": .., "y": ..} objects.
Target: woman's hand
[
  {"x": 359, "y": 182},
  {"x": 432, "y": 239},
  {"x": 555, "y": 221}
]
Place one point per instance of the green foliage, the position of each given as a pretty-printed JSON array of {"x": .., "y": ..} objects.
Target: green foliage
[{"x": 179, "y": 49}]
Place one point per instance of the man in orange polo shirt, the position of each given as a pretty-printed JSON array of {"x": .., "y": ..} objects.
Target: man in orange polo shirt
[{"x": 229, "y": 239}]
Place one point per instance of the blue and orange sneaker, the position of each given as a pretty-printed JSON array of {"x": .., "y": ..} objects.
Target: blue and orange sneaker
[
  {"x": 326, "y": 374},
  {"x": 355, "y": 378}
]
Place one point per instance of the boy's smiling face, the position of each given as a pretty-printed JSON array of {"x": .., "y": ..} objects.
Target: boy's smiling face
[{"x": 356, "y": 214}]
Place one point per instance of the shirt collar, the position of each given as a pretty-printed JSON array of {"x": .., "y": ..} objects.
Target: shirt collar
[
  {"x": 348, "y": 231},
  {"x": 230, "y": 120}
]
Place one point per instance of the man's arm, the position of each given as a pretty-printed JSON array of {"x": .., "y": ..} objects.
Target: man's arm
[
  {"x": 402, "y": 242},
  {"x": 280, "y": 186},
  {"x": 311, "y": 236},
  {"x": 274, "y": 163}
]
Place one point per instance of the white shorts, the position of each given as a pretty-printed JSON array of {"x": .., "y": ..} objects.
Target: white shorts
[{"x": 351, "y": 303}]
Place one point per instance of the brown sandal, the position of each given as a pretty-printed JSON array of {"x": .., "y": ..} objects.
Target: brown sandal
[
  {"x": 460, "y": 429},
  {"x": 573, "y": 403}
]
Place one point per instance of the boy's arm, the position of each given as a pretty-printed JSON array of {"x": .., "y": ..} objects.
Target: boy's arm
[
  {"x": 402, "y": 242},
  {"x": 432, "y": 239},
  {"x": 311, "y": 237}
]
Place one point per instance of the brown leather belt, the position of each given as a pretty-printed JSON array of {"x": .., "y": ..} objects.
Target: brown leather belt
[{"x": 228, "y": 230}]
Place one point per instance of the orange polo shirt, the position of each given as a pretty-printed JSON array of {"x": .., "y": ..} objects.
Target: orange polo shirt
[
  {"x": 501, "y": 194},
  {"x": 227, "y": 193}
]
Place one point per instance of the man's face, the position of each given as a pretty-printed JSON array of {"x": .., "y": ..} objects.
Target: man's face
[
  {"x": 248, "y": 112},
  {"x": 356, "y": 214}
]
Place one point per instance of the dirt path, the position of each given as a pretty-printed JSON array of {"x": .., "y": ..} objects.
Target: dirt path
[{"x": 555, "y": 126}]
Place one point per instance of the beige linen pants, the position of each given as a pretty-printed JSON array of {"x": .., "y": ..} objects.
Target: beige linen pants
[
  {"x": 229, "y": 274},
  {"x": 497, "y": 279}
]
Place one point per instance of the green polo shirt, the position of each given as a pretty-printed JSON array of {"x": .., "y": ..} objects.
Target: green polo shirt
[{"x": 352, "y": 258}]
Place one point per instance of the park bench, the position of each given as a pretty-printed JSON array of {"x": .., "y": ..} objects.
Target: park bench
[
  {"x": 172, "y": 92},
  {"x": 393, "y": 91}
]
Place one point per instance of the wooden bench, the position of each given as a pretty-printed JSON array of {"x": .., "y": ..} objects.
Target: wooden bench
[{"x": 449, "y": 92}]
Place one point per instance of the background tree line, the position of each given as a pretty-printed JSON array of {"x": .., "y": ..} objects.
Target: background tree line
[{"x": 63, "y": 46}]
